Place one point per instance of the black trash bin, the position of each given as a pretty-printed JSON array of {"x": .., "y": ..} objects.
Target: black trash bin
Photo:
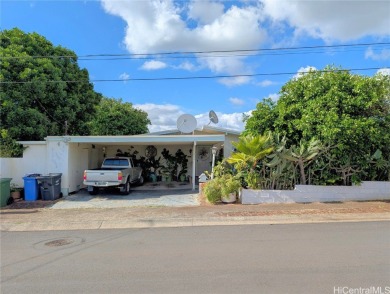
[{"x": 50, "y": 186}]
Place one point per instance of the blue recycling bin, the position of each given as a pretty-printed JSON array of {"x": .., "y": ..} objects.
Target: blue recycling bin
[{"x": 31, "y": 188}]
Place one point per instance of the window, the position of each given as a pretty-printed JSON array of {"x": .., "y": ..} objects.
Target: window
[{"x": 116, "y": 162}]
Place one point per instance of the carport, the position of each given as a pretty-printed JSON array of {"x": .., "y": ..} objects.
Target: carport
[
  {"x": 108, "y": 146},
  {"x": 71, "y": 155}
]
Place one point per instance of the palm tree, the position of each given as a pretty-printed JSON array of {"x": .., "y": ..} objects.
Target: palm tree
[{"x": 250, "y": 150}]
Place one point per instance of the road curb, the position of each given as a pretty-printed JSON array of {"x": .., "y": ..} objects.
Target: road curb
[{"x": 189, "y": 222}]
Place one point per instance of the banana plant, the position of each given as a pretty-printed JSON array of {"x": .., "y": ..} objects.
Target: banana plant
[
  {"x": 303, "y": 154},
  {"x": 380, "y": 165},
  {"x": 279, "y": 171}
]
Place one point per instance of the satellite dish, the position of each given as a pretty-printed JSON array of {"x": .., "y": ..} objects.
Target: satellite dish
[
  {"x": 186, "y": 123},
  {"x": 213, "y": 117}
]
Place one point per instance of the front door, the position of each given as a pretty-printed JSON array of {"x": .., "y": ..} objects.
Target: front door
[{"x": 203, "y": 159}]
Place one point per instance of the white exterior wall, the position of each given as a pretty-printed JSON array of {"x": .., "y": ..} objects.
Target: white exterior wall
[
  {"x": 38, "y": 164},
  {"x": 311, "y": 193},
  {"x": 70, "y": 159},
  {"x": 7, "y": 167},
  {"x": 203, "y": 164},
  {"x": 33, "y": 162},
  {"x": 95, "y": 157},
  {"x": 58, "y": 162},
  {"x": 79, "y": 159},
  {"x": 228, "y": 146}
]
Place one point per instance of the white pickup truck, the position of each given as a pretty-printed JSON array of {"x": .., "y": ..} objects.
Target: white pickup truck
[{"x": 115, "y": 172}]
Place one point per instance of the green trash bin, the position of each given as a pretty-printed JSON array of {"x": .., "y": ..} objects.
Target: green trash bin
[{"x": 5, "y": 191}]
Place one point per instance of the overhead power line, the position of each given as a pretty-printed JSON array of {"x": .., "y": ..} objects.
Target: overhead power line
[
  {"x": 210, "y": 53},
  {"x": 226, "y": 55},
  {"x": 237, "y": 52},
  {"x": 47, "y": 112},
  {"x": 190, "y": 77}
]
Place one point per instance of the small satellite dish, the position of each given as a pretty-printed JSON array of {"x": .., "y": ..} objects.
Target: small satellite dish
[
  {"x": 186, "y": 123},
  {"x": 213, "y": 117}
]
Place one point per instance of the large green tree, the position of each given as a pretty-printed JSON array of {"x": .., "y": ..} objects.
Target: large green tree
[
  {"x": 43, "y": 90},
  {"x": 349, "y": 113},
  {"x": 114, "y": 117}
]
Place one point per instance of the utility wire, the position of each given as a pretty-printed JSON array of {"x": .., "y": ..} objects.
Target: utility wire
[
  {"x": 48, "y": 113},
  {"x": 235, "y": 53},
  {"x": 178, "y": 54},
  {"x": 189, "y": 78},
  {"x": 223, "y": 55}
]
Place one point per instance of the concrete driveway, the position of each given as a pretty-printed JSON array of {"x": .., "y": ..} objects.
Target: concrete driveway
[{"x": 139, "y": 196}]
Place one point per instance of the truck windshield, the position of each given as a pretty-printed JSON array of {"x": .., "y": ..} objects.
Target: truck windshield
[{"x": 116, "y": 162}]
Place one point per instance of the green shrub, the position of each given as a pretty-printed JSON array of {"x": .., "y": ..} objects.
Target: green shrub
[
  {"x": 221, "y": 186},
  {"x": 229, "y": 184},
  {"x": 212, "y": 190},
  {"x": 9, "y": 147}
]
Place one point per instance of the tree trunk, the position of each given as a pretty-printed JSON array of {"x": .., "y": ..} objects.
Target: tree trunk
[{"x": 302, "y": 170}]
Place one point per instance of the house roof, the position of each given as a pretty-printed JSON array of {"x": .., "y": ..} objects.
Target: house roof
[
  {"x": 139, "y": 139},
  {"x": 198, "y": 131},
  {"x": 205, "y": 135}
]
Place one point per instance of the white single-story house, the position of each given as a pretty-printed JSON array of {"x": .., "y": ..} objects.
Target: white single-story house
[{"x": 71, "y": 155}]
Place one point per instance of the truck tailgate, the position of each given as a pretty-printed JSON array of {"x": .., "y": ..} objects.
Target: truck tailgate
[{"x": 102, "y": 176}]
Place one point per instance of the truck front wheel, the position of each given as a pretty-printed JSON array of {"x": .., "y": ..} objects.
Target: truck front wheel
[{"x": 126, "y": 188}]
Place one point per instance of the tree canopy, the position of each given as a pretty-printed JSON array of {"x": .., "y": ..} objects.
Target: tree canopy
[
  {"x": 347, "y": 112},
  {"x": 114, "y": 117},
  {"x": 42, "y": 88},
  {"x": 44, "y": 92}
]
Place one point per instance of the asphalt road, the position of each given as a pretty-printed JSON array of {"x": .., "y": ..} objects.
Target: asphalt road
[{"x": 303, "y": 258}]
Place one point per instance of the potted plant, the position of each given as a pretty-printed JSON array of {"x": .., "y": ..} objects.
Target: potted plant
[
  {"x": 169, "y": 168},
  {"x": 15, "y": 191},
  {"x": 182, "y": 177},
  {"x": 223, "y": 188},
  {"x": 166, "y": 174},
  {"x": 229, "y": 188},
  {"x": 151, "y": 168}
]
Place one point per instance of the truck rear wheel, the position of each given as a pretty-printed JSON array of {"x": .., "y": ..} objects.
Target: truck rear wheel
[
  {"x": 126, "y": 188},
  {"x": 94, "y": 191}
]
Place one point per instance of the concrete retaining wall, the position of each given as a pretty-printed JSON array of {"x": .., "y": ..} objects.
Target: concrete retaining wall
[{"x": 311, "y": 193}]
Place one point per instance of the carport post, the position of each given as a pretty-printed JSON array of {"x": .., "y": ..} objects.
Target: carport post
[{"x": 193, "y": 166}]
